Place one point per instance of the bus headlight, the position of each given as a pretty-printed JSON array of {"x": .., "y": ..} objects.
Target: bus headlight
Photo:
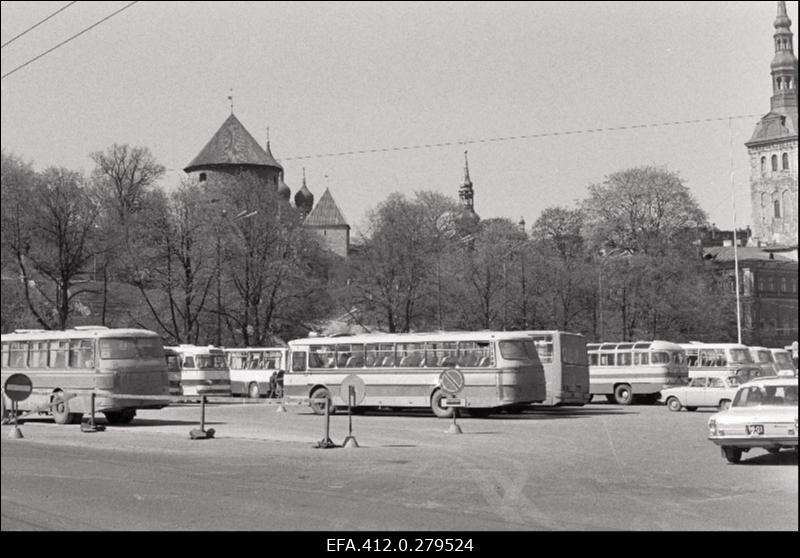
[{"x": 712, "y": 427}]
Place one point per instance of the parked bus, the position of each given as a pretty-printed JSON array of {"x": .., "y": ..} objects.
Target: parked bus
[
  {"x": 623, "y": 371},
  {"x": 117, "y": 365},
  {"x": 783, "y": 362},
  {"x": 173, "y": 359},
  {"x": 762, "y": 357},
  {"x": 709, "y": 357},
  {"x": 257, "y": 372},
  {"x": 204, "y": 370},
  {"x": 501, "y": 370},
  {"x": 566, "y": 366}
]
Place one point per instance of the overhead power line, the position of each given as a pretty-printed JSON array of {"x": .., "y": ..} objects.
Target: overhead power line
[
  {"x": 55, "y": 13},
  {"x": 62, "y": 43},
  {"x": 520, "y": 137}
]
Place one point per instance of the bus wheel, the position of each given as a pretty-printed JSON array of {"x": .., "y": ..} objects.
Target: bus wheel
[
  {"x": 733, "y": 455},
  {"x": 623, "y": 394},
  {"x": 436, "y": 405},
  {"x": 61, "y": 414},
  {"x": 673, "y": 404},
  {"x": 252, "y": 391},
  {"x": 319, "y": 407},
  {"x": 724, "y": 404},
  {"x": 125, "y": 416}
]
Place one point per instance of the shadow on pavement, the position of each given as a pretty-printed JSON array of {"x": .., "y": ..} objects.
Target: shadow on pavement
[{"x": 785, "y": 457}]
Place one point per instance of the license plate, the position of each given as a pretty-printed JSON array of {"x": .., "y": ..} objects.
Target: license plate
[{"x": 755, "y": 429}]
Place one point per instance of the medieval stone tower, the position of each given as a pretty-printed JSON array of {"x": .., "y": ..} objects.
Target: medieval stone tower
[{"x": 773, "y": 148}]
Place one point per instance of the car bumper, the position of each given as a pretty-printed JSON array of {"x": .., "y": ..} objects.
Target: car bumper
[{"x": 755, "y": 442}]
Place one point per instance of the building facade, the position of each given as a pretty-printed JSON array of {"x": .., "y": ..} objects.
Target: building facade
[{"x": 773, "y": 148}]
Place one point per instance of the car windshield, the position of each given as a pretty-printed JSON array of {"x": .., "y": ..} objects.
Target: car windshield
[{"x": 770, "y": 395}]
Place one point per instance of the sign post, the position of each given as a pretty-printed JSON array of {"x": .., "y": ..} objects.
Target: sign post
[
  {"x": 352, "y": 391},
  {"x": 451, "y": 382},
  {"x": 18, "y": 387}
]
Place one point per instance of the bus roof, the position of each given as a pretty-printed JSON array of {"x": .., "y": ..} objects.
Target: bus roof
[
  {"x": 76, "y": 333},
  {"x": 194, "y": 349},
  {"x": 252, "y": 349},
  {"x": 636, "y": 345},
  {"x": 698, "y": 345},
  {"x": 549, "y": 332},
  {"x": 412, "y": 337}
]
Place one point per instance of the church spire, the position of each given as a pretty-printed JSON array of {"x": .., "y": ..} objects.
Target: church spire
[
  {"x": 466, "y": 194},
  {"x": 784, "y": 65}
]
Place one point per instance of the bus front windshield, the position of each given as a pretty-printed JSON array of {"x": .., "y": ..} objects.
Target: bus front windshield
[
  {"x": 740, "y": 356},
  {"x": 211, "y": 362},
  {"x": 131, "y": 347},
  {"x": 522, "y": 349}
]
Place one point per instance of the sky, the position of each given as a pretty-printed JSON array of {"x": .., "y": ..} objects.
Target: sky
[{"x": 388, "y": 77}]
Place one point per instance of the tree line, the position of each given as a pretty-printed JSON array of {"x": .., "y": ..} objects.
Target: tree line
[{"x": 228, "y": 262}]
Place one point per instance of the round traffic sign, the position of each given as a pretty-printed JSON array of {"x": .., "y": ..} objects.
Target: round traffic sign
[
  {"x": 451, "y": 381},
  {"x": 18, "y": 387},
  {"x": 358, "y": 386}
]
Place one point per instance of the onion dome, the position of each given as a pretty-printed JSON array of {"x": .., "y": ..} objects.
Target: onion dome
[
  {"x": 283, "y": 189},
  {"x": 304, "y": 199}
]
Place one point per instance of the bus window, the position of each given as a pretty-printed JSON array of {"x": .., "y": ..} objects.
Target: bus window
[
  {"x": 38, "y": 354},
  {"x": 607, "y": 359},
  {"x": 58, "y": 354},
  {"x": 641, "y": 358},
  {"x": 474, "y": 353},
  {"x": 118, "y": 348},
  {"x": 624, "y": 358},
  {"x": 659, "y": 357},
  {"x": 18, "y": 355},
  {"x": 411, "y": 354},
  {"x": 544, "y": 346},
  {"x": 211, "y": 362},
  {"x": 81, "y": 353},
  {"x": 5, "y": 355},
  {"x": 441, "y": 353},
  {"x": 593, "y": 359},
  {"x": 741, "y": 356},
  {"x": 188, "y": 362},
  {"x": 380, "y": 355},
  {"x": 298, "y": 361}
]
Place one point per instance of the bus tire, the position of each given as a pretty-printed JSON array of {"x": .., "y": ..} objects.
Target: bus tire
[
  {"x": 125, "y": 416},
  {"x": 252, "y": 391},
  {"x": 436, "y": 405},
  {"x": 319, "y": 408},
  {"x": 60, "y": 412},
  {"x": 623, "y": 394},
  {"x": 673, "y": 404},
  {"x": 724, "y": 404}
]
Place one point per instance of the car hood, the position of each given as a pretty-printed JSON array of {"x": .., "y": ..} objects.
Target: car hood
[{"x": 742, "y": 415}]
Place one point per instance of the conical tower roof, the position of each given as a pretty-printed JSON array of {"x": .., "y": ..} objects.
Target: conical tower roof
[
  {"x": 232, "y": 145},
  {"x": 326, "y": 213}
]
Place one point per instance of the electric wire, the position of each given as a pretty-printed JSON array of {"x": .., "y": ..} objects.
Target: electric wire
[{"x": 55, "y": 13}]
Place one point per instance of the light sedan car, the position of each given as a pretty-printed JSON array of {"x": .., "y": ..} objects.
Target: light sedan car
[
  {"x": 763, "y": 415},
  {"x": 702, "y": 391}
]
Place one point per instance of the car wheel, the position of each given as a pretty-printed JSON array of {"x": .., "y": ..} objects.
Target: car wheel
[
  {"x": 253, "y": 391},
  {"x": 733, "y": 455},
  {"x": 319, "y": 406},
  {"x": 436, "y": 405},
  {"x": 673, "y": 404},
  {"x": 724, "y": 405},
  {"x": 623, "y": 394}
]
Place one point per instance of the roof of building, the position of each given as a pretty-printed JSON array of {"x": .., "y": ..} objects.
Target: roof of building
[
  {"x": 743, "y": 253},
  {"x": 774, "y": 126},
  {"x": 232, "y": 145},
  {"x": 326, "y": 213}
]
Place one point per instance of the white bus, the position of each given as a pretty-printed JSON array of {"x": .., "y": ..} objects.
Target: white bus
[
  {"x": 566, "y": 366},
  {"x": 257, "y": 372},
  {"x": 710, "y": 357},
  {"x": 622, "y": 371},
  {"x": 204, "y": 370},
  {"x": 501, "y": 370},
  {"x": 117, "y": 365}
]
